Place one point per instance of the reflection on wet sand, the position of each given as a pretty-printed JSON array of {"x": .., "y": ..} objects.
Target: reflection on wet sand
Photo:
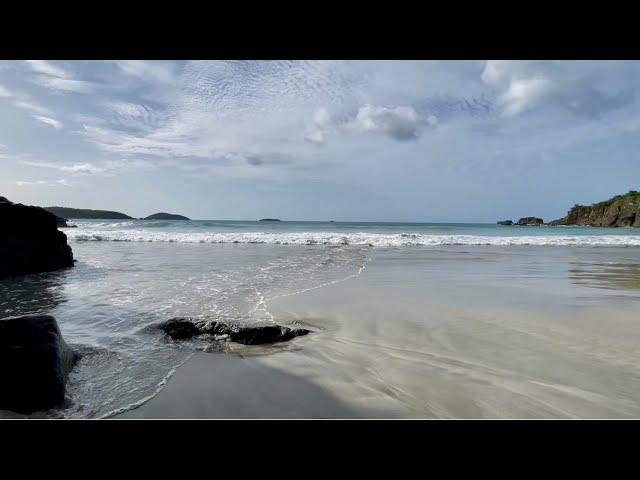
[{"x": 607, "y": 275}]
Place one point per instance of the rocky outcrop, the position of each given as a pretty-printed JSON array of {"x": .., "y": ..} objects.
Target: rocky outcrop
[
  {"x": 619, "y": 211},
  {"x": 30, "y": 241},
  {"x": 530, "y": 221},
  {"x": 85, "y": 213},
  {"x": 35, "y": 363},
  {"x": 256, "y": 334},
  {"x": 269, "y": 219},
  {"x": 505, "y": 222},
  {"x": 165, "y": 216}
]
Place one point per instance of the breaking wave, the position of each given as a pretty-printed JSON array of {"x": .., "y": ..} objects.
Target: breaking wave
[{"x": 366, "y": 239}]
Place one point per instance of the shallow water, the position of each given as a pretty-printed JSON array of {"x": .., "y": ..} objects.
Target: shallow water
[{"x": 131, "y": 275}]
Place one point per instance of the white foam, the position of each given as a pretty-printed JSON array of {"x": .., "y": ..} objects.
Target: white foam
[{"x": 368, "y": 239}]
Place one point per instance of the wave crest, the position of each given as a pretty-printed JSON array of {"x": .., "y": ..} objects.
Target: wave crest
[{"x": 366, "y": 239}]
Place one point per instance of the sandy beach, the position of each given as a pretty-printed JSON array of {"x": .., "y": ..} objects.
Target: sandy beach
[{"x": 423, "y": 335}]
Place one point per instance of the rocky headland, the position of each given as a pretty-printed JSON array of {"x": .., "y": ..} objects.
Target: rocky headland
[
  {"x": 30, "y": 242},
  {"x": 619, "y": 211}
]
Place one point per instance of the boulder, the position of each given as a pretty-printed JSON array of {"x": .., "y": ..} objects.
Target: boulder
[
  {"x": 35, "y": 363},
  {"x": 179, "y": 328},
  {"x": 256, "y": 334},
  {"x": 61, "y": 222},
  {"x": 530, "y": 221},
  {"x": 30, "y": 241}
]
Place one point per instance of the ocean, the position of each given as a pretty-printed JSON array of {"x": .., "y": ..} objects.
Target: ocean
[{"x": 485, "y": 282}]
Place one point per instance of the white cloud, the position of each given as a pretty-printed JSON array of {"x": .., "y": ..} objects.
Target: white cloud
[
  {"x": 48, "y": 183},
  {"x": 64, "y": 84},
  {"x": 321, "y": 124},
  {"x": 151, "y": 70},
  {"x": 107, "y": 168},
  {"x": 49, "y": 121},
  {"x": 321, "y": 117},
  {"x": 4, "y": 92},
  {"x": 43, "y": 66},
  {"x": 315, "y": 136},
  {"x": 57, "y": 78},
  {"x": 33, "y": 107},
  {"x": 399, "y": 123},
  {"x": 582, "y": 87}
]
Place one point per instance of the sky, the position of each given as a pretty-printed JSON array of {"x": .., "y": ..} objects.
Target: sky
[{"x": 421, "y": 141}]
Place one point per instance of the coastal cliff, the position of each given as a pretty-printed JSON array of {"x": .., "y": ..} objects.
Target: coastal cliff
[{"x": 619, "y": 211}]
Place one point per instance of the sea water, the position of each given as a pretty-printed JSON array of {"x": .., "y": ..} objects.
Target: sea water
[{"x": 131, "y": 275}]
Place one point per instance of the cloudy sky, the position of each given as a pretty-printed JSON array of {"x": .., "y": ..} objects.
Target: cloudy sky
[{"x": 459, "y": 141}]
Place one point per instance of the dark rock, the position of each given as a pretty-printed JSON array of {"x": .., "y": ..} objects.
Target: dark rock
[
  {"x": 269, "y": 219},
  {"x": 530, "y": 221},
  {"x": 31, "y": 242},
  {"x": 61, "y": 222},
  {"x": 179, "y": 328},
  {"x": 165, "y": 216},
  {"x": 257, "y": 334},
  {"x": 35, "y": 363},
  {"x": 505, "y": 222}
]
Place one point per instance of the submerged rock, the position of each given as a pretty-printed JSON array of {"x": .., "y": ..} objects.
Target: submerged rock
[
  {"x": 179, "y": 328},
  {"x": 256, "y": 334},
  {"x": 35, "y": 363},
  {"x": 30, "y": 242}
]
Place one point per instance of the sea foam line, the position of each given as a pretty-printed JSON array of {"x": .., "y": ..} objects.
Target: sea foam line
[{"x": 365, "y": 239}]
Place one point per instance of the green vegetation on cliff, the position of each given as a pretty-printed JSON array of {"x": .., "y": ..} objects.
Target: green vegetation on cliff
[
  {"x": 632, "y": 196},
  {"x": 618, "y": 211},
  {"x": 85, "y": 213}
]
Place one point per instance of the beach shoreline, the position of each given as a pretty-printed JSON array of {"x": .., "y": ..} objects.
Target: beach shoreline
[{"x": 393, "y": 342}]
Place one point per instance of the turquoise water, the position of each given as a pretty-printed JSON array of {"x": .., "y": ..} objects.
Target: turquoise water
[{"x": 342, "y": 233}]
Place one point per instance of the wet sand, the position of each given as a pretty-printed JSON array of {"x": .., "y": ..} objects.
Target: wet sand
[{"x": 435, "y": 334}]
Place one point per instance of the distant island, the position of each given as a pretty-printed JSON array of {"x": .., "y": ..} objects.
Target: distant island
[
  {"x": 85, "y": 213},
  {"x": 618, "y": 211},
  {"x": 165, "y": 216},
  {"x": 530, "y": 221},
  {"x": 269, "y": 219}
]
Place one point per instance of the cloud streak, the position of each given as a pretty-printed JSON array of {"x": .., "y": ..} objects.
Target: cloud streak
[
  {"x": 49, "y": 121},
  {"x": 57, "y": 78},
  {"x": 46, "y": 183},
  {"x": 107, "y": 168}
]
